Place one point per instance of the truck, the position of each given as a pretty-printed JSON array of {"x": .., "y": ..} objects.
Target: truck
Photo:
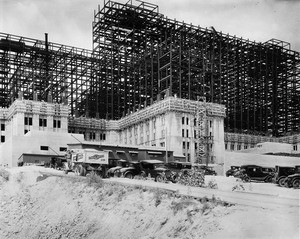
[{"x": 87, "y": 161}]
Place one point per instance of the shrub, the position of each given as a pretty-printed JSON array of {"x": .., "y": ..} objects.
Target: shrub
[
  {"x": 4, "y": 174},
  {"x": 205, "y": 207},
  {"x": 20, "y": 177},
  {"x": 158, "y": 195},
  {"x": 95, "y": 181},
  {"x": 182, "y": 204},
  {"x": 212, "y": 184}
]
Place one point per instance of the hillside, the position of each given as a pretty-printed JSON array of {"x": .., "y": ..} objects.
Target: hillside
[{"x": 58, "y": 206}]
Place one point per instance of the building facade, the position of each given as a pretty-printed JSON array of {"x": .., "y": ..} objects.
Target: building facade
[{"x": 45, "y": 128}]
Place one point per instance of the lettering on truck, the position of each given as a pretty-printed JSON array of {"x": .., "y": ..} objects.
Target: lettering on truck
[{"x": 96, "y": 156}]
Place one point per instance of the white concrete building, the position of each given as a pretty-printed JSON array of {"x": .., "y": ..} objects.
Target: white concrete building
[
  {"x": 34, "y": 127},
  {"x": 169, "y": 123}
]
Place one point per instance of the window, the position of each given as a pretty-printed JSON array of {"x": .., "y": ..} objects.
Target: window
[
  {"x": 195, "y": 134},
  {"x": 27, "y": 120},
  {"x": 44, "y": 148},
  {"x": 2, "y": 138},
  {"x": 187, "y": 121},
  {"x": 239, "y": 147},
  {"x": 56, "y": 123},
  {"x": 210, "y": 123},
  {"x": 226, "y": 146},
  {"x": 188, "y": 145},
  {"x": 182, "y": 120},
  {"x": 92, "y": 135},
  {"x": 183, "y": 145},
  {"x": 102, "y": 136},
  {"x": 162, "y": 144},
  {"x": 182, "y": 132},
  {"x": 2, "y": 127},
  {"x": 195, "y": 122},
  {"x": 187, "y": 133},
  {"x": 232, "y": 146},
  {"x": 62, "y": 149},
  {"x": 295, "y": 147},
  {"x": 42, "y": 122},
  {"x": 245, "y": 146},
  {"x": 195, "y": 146},
  {"x": 25, "y": 131}
]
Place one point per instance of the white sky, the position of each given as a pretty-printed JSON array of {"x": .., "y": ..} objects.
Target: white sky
[{"x": 69, "y": 22}]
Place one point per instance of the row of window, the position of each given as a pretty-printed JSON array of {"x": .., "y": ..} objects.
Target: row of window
[
  {"x": 239, "y": 147},
  {"x": 186, "y": 145},
  {"x": 46, "y": 148},
  {"x": 42, "y": 122},
  {"x": 185, "y": 120}
]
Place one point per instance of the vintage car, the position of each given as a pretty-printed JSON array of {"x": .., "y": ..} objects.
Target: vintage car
[
  {"x": 293, "y": 180},
  {"x": 256, "y": 173},
  {"x": 208, "y": 170},
  {"x": 122, "y": 163},
  {"x": 281, "y": 173},
  {"x": 177, "y": 166},
  {"x": 232, "y": 170},
  {"x": 147, "y": 168}
]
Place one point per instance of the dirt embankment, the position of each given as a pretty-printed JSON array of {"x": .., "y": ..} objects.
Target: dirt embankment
[{"x": 35, "y": 206}]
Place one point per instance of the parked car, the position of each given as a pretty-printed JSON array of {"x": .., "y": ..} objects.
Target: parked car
[
  {"x": 208, "y": 170},
  {"x": 232, "y": 170},
  {"x": 257, "y": 173},
  {"x": 122, "y": 163},
  {"x": 153, "y": 168},
  {"x": 293, "y": 180},
  {"x": 177, "y": 166},
  {"x": 281, "y": 174}
]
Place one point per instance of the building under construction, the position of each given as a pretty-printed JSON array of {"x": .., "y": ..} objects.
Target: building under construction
[{"x": 139, "y": 54}]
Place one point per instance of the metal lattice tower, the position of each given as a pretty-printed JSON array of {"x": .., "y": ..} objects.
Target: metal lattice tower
[{"x": 201, "y": 131}]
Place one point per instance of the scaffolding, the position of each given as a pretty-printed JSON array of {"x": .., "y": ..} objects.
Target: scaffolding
[
  {"x": 201, "y": 132},
  {"x": 139, "y": 54},
  {"x": 41, "y": 70}
]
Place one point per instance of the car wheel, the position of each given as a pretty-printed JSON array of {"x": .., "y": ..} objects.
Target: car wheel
[
  {"x": 159, "y": 178},
  {"x": 281, "y": 182},
  {"x": 296, "y": 183},
  {"x": 268, "y": 180},
  {"x": 247, "y": 179},
  {"x": 129, "y": 175}
]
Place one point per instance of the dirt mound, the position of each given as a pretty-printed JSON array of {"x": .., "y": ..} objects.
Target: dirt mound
[{"x": 43, "y": 205}]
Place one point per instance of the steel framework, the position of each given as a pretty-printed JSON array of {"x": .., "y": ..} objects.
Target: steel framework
[
  {"x": 40, "y": 70},
  {"x": 139, "y": 54},
  {"x": 143, "y": 54}
]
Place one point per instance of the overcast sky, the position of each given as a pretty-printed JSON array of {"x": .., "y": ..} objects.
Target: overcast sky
[{"x": 69, "y": 22}]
